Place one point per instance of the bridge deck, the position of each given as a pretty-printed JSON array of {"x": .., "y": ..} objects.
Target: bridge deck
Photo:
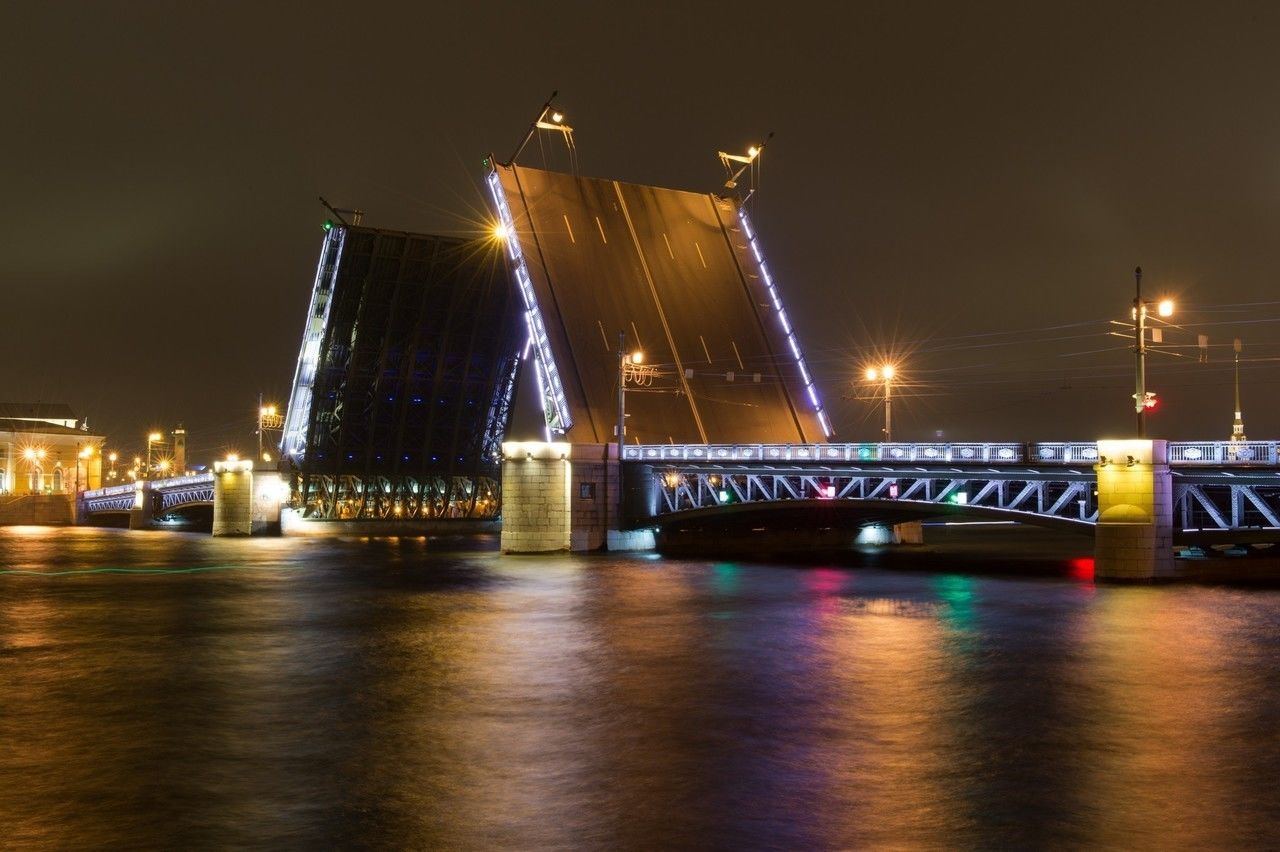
[{"x": 678, "y": 272}]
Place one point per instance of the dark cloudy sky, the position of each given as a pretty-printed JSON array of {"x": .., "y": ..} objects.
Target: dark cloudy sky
[{"x": 966, "y": 187}]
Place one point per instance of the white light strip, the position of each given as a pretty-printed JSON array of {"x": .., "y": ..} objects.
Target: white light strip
[
  {"x": 787, "y": 330},
  {"x": 294, "y": 438},
  {"x": 557, "y": 420}
]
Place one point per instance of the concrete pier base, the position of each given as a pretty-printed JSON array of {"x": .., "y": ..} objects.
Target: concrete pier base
[
  {"x": 560, "y": 497},
  {"x": 1134, "y": 534},
  {"x": 233, "y": 497}
]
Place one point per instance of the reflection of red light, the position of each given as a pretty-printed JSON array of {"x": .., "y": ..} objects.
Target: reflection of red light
[{"x": 1082, "y": 569}]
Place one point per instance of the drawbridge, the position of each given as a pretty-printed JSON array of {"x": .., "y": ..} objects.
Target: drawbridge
[{"x": 680, "y": 276}]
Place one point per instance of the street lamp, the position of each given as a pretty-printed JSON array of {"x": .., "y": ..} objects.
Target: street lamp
[
  {"x": 625, "y": 360},
  {"x": 34, "y": 457},
  {"x": 885, "y": 373},
  {"x": 83, "y": 455},
  {"x": 1141, "y": 399},
  {"x": 269, "y": 417},
  {"x": 153, "y": 438},
  {"x": 112, "y": 458}
]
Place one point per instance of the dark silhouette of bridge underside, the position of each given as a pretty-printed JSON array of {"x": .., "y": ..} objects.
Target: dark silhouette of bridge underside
[{"x": 675, "y": 271}]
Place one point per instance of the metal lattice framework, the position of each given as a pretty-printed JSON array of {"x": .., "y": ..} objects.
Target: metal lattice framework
[
  {"x": 195, "y": 490},
  {"x": 114, "y": 498},
  {"x": 405, "y": 381},
  {"x": 349, "y": 497},
  {"x": 161, "y": 495},
  {"x": 1218, "y": 486},
  {"x": 1181, "y": 453},
  {"x": 1230, "y": 500},
  {"x": 1066, "y": 495}
]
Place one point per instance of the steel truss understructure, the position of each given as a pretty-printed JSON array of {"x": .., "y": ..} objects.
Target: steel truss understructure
[
  {"x": 165, "y": 494},
  {"x": 185, "y": 491},
  {"x": 348, "y": 497},
  {"x": 1057, "y": 493},
  {"x": 1236, "y": 500},
  {"x": 410, "y": 362}
]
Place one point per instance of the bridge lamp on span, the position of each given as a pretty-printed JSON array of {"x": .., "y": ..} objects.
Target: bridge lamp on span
[{"x": 885, "y": 373}]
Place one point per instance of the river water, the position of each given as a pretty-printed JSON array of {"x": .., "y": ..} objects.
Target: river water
[{"x": 174, "y": 691}]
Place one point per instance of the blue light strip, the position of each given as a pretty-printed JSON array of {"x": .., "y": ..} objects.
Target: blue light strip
[
  {"x": 294, "y": 439},
  {"x": 787, "y": 330},
  {"x": 555, "y": 405}
]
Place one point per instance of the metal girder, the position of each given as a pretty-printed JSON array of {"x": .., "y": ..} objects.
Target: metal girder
[
  {"x": 1068, "y": 497},
  {"x": 350, "y": 497},
  {"x": 1218, "y": 504},
  {"x": 1188, "y": 454}
]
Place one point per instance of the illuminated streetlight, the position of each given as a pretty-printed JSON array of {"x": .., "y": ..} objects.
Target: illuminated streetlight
[
  {"x": 1142, "y": 400},
  {"x": 885, "y": 373},
  {"x": 84, "y": 455},
  {"x": 625, "y": 359},
  {"x": 269, "y": 419},
  {"x": 152, "y": 439}
]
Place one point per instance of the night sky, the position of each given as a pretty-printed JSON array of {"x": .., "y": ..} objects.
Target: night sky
[{"x": 963, "y": 190}]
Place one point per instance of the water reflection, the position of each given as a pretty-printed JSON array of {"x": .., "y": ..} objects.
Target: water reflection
[{"x": 414, "y": 694}]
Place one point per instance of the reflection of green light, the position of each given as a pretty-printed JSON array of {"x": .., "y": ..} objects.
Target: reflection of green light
[
  {"x": 79, "y": 572},
  {"x": 725, "y": 577},
  {"x": 956, "y": 591}
]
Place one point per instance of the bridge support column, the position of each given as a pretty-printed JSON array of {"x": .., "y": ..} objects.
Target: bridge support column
[
  {"x": 142, "y": 515},
  {"x": 246, "y": 502},
  {"x": 233, "y": 497},
  {"x": 1134, "y": 540},
  {"x": 560, "y": 497}
]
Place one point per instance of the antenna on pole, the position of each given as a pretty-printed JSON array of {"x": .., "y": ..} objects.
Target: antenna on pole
[
  {"x": 540, "y": 121},
  {"x": 747, "y": 161},
  {"x": 356, "y": 215}
]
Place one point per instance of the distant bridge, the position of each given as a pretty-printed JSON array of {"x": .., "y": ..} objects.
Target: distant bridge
[{"x": 156, "y": 497}]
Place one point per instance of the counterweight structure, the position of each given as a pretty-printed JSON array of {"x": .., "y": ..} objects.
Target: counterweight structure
[{"x": 405, "y": 378}]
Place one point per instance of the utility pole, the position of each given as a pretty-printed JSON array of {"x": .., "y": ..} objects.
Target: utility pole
[{"x": 1140, "y": 350}]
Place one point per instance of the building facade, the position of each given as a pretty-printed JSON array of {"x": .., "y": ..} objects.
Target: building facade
[{"x": 46, "y": 449}]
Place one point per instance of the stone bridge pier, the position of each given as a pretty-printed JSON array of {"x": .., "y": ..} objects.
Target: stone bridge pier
[
  {"x": 245, "y": 501},
  {"x": 565, "y": 497},
  {"x": 1134, "y": 534}
]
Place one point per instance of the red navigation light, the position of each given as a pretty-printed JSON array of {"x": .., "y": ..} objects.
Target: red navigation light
[{"x": 1150, "y": 402}]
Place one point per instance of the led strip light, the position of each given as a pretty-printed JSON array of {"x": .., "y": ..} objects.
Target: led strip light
[
  {"x": 293, "y": 441},
  {"x": 557, "y": 413},
  {"x": 786, "y": 325}
]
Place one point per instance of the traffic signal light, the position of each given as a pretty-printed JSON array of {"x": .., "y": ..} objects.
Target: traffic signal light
[{"x": 1150, "y": 402}]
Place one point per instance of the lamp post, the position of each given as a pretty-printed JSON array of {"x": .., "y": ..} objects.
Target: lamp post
[
  {"x": 885, "y": 373},
  {"x": 268, "y": 418},
  {"x": 625, "y": 359},
  {"x": 153, "y": 438},
  {"x": 1165, "y": 308},
  {"x": 82, "y": 455}
]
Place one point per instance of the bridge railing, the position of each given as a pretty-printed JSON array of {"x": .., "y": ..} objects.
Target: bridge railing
[
  {"x": 110, "y": 491},
  {"x": 1222, "y": 452},
  {"x": 1188, "y": 453}
]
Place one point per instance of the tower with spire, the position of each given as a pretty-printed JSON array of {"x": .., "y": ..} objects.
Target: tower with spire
[{"x": 1237, "y": 428}]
